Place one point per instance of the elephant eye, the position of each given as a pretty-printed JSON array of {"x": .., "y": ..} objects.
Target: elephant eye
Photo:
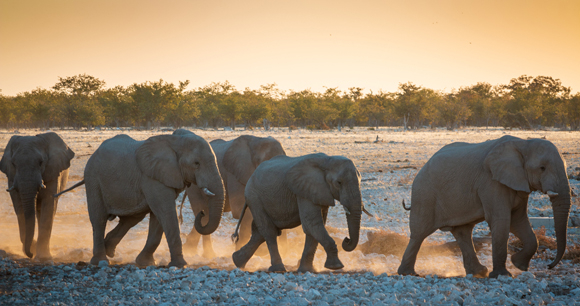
[
  {"x": 196, "y": 164},
  {"x": 339, "y": 182},
  {"x": 543, "y": 168}
]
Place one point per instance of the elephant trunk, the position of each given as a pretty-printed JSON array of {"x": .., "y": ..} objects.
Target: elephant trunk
[
  {"x": 28, "y": 192},
  {"x": 353, "y": 221},
  {"x": 216, "y": 208},
  {"x": 561, "y": 208}
]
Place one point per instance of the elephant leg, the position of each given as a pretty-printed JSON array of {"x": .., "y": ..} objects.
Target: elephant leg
[
  {"x": 161, "y": 200},
  {"x": 307, "y": 259},
  {"x": 46, "y": 212},
  {"x": 270, "y": 234},
  {"x": 312, "y": 220},
  {"x": 154, "y": 236},
  {"x": 310, "y": 246},
  {"x": 520, "y": 226},
  {"x": 407, "y": 266},
  {"x": 114, "y": 236},
  {"x": 500, "y": 229},
  {"x": 241, "y": 256},
  {"x": 208, "y": 251},
  {"x": 191, "y": 241},
  {"x": 98, "y": 218},
  {"x": 463, "y": 236}
]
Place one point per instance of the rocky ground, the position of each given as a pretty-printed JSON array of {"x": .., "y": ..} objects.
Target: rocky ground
[{"x": 388, "y": 167}]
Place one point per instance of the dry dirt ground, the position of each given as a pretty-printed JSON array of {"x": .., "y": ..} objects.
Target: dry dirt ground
[{"x": 388, "y": 165}]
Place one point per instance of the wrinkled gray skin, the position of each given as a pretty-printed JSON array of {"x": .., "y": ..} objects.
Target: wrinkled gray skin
[
  {"x": 129, "y": 179},
  {"x": 285, "y": 192},
  {"x": 37, "y": 168},
  {"x": 237, "y": 159},
  {"x": 464, "y": 184}
]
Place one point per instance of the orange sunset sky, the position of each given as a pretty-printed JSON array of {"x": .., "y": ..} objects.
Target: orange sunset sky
[{"x": 297, "y": 44}]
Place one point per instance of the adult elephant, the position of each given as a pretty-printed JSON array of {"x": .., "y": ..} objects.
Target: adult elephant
[
  {"x": 129, "y": 179},
  {"x": 237, "y": 159},
  {"x": 36, "y": 167},
  {"x": 285, "y": 192},
  {"x": 464, "y": 184}
]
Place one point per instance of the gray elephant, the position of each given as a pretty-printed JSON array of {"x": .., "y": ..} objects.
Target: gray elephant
[
  {"x": 285, "y": 192},
  {"x": 129, "y": 179},
  {"x": 464, "y": 184},
  {"x": 237, "y": 159},
  {"x": 36, "y": 167}
]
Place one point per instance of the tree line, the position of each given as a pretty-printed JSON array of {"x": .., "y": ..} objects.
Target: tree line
[{"x": 83, "y": 101}]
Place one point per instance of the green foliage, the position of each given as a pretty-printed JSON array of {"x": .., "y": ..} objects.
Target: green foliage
[{"x": 82, "y": 101}]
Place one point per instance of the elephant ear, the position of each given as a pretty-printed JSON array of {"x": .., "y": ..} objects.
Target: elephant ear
[
  {"x": 307, "y": 179},
  {"x": 157, "y": 160},
  {"x": 506, "y": 164},
  {"x": 6, "y": 162},
  {"x": 238, "y": 159},
  {"x": 59, "y": 156}
]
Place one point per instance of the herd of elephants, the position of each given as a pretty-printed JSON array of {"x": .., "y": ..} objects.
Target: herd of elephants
[{"x": 461, "y": 185}]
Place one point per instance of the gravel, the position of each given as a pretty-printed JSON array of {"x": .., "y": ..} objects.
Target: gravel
[
  {"x": 367, "y": 279},
  {"x": 23, "y": 283}
]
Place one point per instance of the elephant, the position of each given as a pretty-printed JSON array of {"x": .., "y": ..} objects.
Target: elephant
[
  {"x": 130, "y": 179},
  {"x": 237, "y": 159},
  {"x": 464, "y": 184},
  {"x": 285, "y": 192},
  {"x": 36, "y": 167}
]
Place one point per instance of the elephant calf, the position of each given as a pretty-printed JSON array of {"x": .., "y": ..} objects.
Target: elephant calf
[
  {"x": 285, "y": 192},
  {"x": 464, "y": 184},
  {"x": 37, "y": 168},
  {"x": 237, "y": 159}
]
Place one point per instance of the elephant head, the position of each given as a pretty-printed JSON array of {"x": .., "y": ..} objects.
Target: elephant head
[
  {"x": 29, "y": 162},
  {"x": 246, "y": 153},
  {"x": 182, "y": 159},
  {"x": 535, "y": 165},
  {"x": 323, "y": 179}
]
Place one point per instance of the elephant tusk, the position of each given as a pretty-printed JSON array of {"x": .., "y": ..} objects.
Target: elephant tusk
[
  {"x": 207, "y": 192},
  {"x": 346, "y": 210},
  {"x": 551, "y": 194},
  {"x": 11, "y": 188},
  {"x": 42, "y": 185},
  {"x": 367, "y": 212}
]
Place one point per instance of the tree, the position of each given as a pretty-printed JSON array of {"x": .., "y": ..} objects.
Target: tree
[{"x": 78, "y": 95}]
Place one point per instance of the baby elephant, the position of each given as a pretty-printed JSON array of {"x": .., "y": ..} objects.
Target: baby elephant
[{"x": 285, "y": 192}]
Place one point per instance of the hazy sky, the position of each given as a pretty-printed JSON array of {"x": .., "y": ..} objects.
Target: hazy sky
[{"x": 296, "y": 44}]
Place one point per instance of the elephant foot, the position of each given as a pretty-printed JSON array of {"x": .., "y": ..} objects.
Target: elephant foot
[
  {"x": 208, "y": 254},
  {"x": 521, "y": 261},
  {"x": 479, "y": 272},
  {"x": 497, "y": 272},
  {"x": 145, "y": 260},
  {"x": 333, "y": 263},
  {"x": 47, "y": 259},
  {"x": 277, "y": 268},
  {"x": 110, "y": 252},
  {"x": 239, "y": 259},
  {"x": 97, "y": 259},
  {"x": 178, "y": 262},
  {"x": 407, "y": 271},
  {"x": 303, "y": 268}
]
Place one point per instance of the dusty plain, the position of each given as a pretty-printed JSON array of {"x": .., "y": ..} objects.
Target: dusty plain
[{"x": 388, "y": 159}]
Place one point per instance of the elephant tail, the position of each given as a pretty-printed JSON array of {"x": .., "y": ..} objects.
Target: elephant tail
[
  {"x": 235, "y": 235},
  {"x": 181, "y": 208},
  {"x": 405, "y": 207},
  {"x": 71, "y": 188}
]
